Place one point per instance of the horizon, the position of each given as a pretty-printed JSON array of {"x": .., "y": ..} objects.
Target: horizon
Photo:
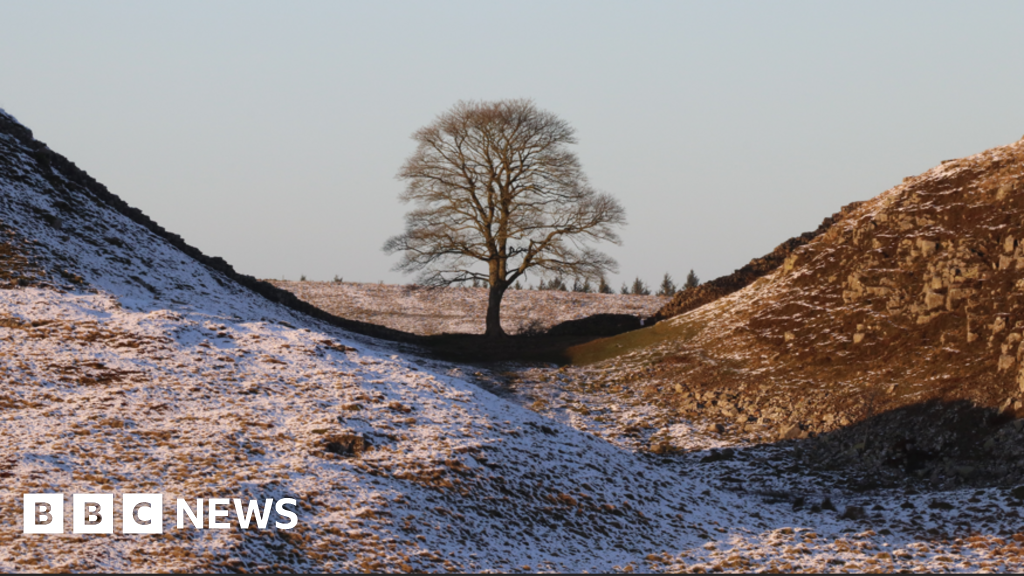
[{"x": 269, "y": 135}]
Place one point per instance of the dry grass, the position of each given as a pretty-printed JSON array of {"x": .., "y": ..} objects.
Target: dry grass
[{"x": 428, "y": 311}]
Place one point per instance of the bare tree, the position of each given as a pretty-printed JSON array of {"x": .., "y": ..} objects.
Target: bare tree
[{"x": 498, "y": 193}]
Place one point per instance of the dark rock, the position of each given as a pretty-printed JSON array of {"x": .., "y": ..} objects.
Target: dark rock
[
  {"x": 853, "y": 513},
  {"x": 346, "y": 444}
]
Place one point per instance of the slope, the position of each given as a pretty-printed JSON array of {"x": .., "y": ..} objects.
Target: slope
[
  {"x": 895, "y": 336},
  {"x": 130, "y": 365}
]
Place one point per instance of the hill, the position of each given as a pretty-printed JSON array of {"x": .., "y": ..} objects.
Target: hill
[
  {"x": 894, "y": 337},
  {"x": 130, "y": 362}
]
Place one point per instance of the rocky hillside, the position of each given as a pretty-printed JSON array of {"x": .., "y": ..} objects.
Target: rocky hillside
[
  {"x": 894, "y": 338},
  {"x": 693, "y": 298}
]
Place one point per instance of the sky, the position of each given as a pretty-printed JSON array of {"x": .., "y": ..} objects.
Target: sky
[{"x": 270, "y": 133}]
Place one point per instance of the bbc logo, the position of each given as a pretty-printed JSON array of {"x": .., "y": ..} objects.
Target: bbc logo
[
  {"x": 144, "y": 513},
  {"x": 94, "y": 513}
]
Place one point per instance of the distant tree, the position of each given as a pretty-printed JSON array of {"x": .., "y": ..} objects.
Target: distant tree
[
  {"x": 639, "y": 288},
  {"x": 517, "y": 286},
  {"x": 668, "y": 287},
  {"x": 624, "y": 289},
  {"x": 691, "y": 280},
  {"x": 302, "y": 278},
  {"x": 495, "y": 183},
  {"x": 476, "y": 283},
  {"x": 604, "y": 288},
  {"x": 582, "y": 286},
  {"x": 338, "y": 279}
]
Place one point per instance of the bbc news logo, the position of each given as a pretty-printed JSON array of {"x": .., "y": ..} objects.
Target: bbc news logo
[{"x": 144, "y": 513}]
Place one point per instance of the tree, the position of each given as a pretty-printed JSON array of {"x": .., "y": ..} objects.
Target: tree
[
  {"x": 604, "y": 288},
  {"x": 555, "y": 283},
  {"x": 691, "y": 280},
  {"x": 496, "y": 187},
  {"x": 639, "y": 288},
  {"x": 668, "y": 287}
]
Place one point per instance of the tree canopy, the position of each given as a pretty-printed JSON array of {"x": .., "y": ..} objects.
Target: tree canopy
[{"x": 498, "y": 193}]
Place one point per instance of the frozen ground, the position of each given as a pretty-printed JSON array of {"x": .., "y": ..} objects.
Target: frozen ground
[
  {"x": 461, "y": 310},
  {"x": 106, "y": 397},
  {"x": 125, "y": 366}
]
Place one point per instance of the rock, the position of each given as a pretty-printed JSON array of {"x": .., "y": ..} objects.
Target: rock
[
  {"x": 1004, "y": 191},
  {"x": 790, "y": 432},
  {"x": 1012, "y": 339},
  {"x": 927, "y": 247},
  {"x": 998, "y": 326},
  {"x": 344, "y": 443},
  {"x": 789, "y": 263},
  {"x": 1006, "y": 362},
  {"x": 933, "y": 300},
  {"x": 789, "y": 336},
  {"x": 953, "y": 298},
  {"x": 719, "y": 455},
  {"x": 858, "y": 337},
  {"x": 853, "y": 513}
]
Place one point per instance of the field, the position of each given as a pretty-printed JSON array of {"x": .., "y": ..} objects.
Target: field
[{"x": 429, "y": 311}]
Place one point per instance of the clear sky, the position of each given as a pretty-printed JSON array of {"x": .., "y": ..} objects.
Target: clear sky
[{"x": 269, "y": 133}]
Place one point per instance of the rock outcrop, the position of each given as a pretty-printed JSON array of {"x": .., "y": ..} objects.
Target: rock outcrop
[{"x": 911, "y": 303}]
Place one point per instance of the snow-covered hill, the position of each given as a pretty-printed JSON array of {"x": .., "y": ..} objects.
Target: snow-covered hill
[{"x": 128, "y": 364}]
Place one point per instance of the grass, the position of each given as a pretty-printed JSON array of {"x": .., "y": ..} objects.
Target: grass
[{"x": 677, "y": 330}]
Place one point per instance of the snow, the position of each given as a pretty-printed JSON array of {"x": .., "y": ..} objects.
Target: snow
[
  {"x": 427, "y": 311},
  {"x": 157, "y": 374}
]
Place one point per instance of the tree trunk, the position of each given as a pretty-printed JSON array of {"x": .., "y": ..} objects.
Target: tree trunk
[{"x": 494, "y": 311}]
